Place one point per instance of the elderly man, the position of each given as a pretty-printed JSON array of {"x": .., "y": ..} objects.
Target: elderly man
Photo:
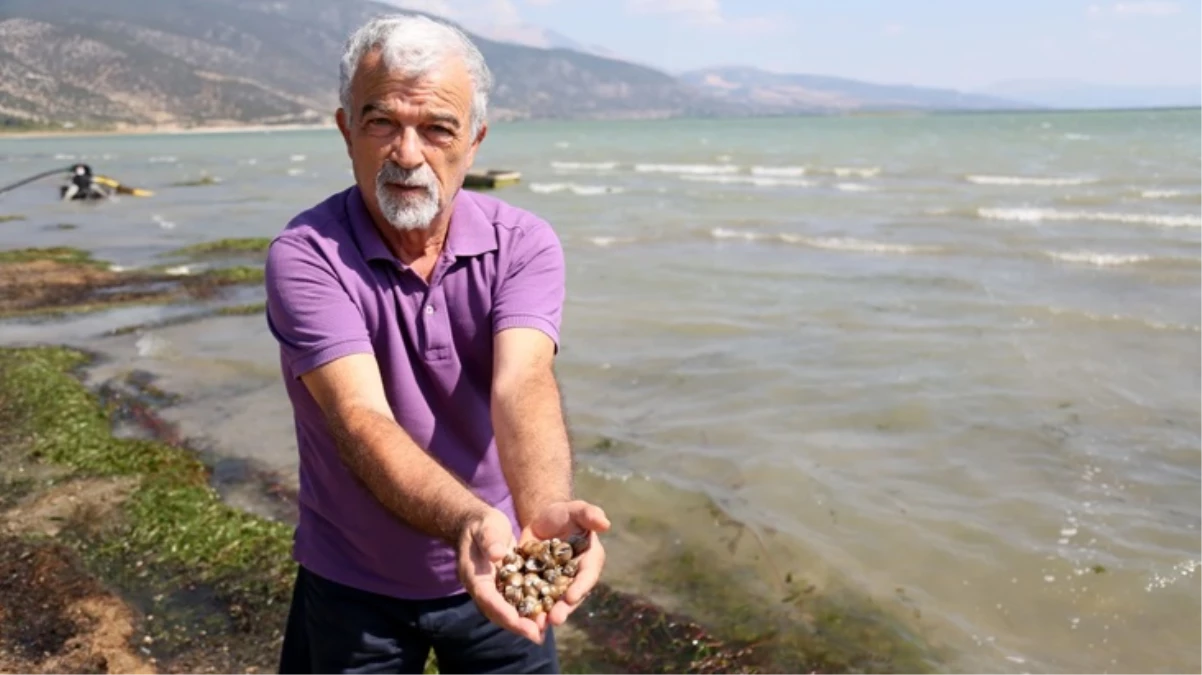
[{"x": 418, "y": 325}]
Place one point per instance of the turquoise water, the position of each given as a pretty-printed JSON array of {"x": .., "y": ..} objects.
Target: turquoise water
[{"x": 954, "y": 355}]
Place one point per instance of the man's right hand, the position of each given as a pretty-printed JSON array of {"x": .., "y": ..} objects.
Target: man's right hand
[{"x": 483, "y": 542}]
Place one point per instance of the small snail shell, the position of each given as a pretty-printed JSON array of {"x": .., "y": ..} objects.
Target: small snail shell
[
  {"x": 532, "y": 579},
  {"x": 561, "y": 552},
  {"x": 548, "y": 603},
  {"x": 514, "y": 579},
  {"x": 556, "y": 591},
  {"x": 535, "y": 564},
  {"x": 526, "y": 550},
  {"x": 569, "y": 568},
  {"x": 529, "y": 607},
  {"x": 511, "y": 558},
  {"x": 551, "y": 574},
  {"x": 532, "y": 592},
  {"x": 513, "y": 594},
  {"x": 510, "y": 568},
  {"x": 562, "y": 583}
]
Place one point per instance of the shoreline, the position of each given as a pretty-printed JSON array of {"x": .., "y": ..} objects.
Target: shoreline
[{"x": 166, "y": 130}]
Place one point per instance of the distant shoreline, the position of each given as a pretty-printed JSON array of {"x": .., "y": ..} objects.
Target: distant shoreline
[
  {"x": 176, "y": 130},
  {"x": 165, "y": 130}
]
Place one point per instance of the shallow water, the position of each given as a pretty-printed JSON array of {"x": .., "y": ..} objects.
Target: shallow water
[{"x": 949, "y": 363}]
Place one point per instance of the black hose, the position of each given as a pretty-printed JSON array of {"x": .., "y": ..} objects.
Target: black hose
[{"x": 31, "y": 179}]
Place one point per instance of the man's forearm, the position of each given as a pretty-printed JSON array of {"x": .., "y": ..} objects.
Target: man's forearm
[
  {"x": 532, "y": 441},
  {"x": 410, "y": 483}
]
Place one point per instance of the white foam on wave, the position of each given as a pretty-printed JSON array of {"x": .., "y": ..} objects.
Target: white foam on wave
[
  {"x": 785, "y": 171},
  {"x": 581, "y": 190},
  {"x": 1099, "y": 259},
  {"x": 1159, "y": 194},
  {"x": 1043, "y": 181},
  {"x": 584, "y": 166},
  {"x": 1070, "y": 136},
  {"x": 854, "y": 187},
  {"x": 1035, "y": 215},
  {"x": 851, "y": 244},
  {"x": 848, "y": 171},
  {"x": 687, "y": 168},
  {"x": 846, "y": 244},
  {"x": 610, "y": 241},
  {"x": 758, "y": 181}
]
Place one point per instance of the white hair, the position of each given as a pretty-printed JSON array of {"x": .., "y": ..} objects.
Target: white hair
[{"x": 416, "y": 45}]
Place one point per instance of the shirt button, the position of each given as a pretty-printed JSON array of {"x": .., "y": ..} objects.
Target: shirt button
[{"x": 429, "y": 309}]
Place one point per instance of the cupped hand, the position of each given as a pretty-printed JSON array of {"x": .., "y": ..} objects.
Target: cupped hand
[
  {"x": 483, "y": 542},
  {"x": 562, "y": 520}
]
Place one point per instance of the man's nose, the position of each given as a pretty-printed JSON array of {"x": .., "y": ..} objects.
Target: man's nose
[{"x": 407, "y": 150}]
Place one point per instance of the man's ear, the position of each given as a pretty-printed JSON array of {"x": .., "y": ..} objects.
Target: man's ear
[
  {"x": 344, "y": 127},
  {"x": 471, "y": 151}
]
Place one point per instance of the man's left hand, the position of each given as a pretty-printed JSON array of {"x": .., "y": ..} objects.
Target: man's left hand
[{"x": 561, "y": 520}]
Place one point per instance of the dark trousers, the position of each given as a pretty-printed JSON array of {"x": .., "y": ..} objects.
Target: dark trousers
[{"x": 338, "y": 629}]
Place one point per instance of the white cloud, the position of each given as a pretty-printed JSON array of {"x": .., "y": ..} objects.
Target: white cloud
[{"x": 1137, "y": 8}]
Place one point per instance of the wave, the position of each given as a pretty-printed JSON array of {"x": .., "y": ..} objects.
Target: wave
[
  {"x": 779, "y": 171},
  {"x": 1099, "y": 259},
  {"x": 1118, "y": 319},
  {"x": 584, "y": 166},
  {"x": 581, "y": 190},
  {"x": 1044, "y": 181},
  {"x": 687, "y": 168},
  {"x": 846, "y": 244},
  {"x": 609, "y": 241},
  {"x": 1159, "y": 194},
  {"x": 759, "y": 181},
  {"x": 1035, "y": 215},
  {"x": 854, "y": 187}
]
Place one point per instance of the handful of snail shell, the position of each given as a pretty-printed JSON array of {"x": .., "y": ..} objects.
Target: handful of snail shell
[{"x": 536, "y": 574}]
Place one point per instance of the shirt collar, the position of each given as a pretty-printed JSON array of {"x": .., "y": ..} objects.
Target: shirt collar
[{"x": 470, "y": 232}]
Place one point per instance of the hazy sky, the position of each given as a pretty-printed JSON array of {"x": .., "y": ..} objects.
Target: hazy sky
[{"x": 955, "y": 43}]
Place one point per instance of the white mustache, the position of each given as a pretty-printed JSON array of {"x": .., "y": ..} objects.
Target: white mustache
[{"x": 421, "y": 177}]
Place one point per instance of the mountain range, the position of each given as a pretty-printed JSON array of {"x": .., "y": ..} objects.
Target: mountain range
[{"x": 208, "y": 62}]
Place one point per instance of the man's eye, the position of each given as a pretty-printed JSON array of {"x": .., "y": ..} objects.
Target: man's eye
[
  {"x": 379, "y": 122},
  {"x": 440, "y": 131}
]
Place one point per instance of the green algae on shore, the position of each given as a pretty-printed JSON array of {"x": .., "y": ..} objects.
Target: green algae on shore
[
  {"x": 63, "y": 280},
  {"x": 219, "y": 247},
  {"x": 10, "y": 218},
  {"x": 65, "y": 255}
]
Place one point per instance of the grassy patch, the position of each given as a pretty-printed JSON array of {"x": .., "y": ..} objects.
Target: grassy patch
[
  {"x": 65, "y": 255},
  {"x": 59, "y": 281},
  {"x": 222, "y": 247},
  {"x": 174, "y": 518},
  {"x": 9, "y": 218}
]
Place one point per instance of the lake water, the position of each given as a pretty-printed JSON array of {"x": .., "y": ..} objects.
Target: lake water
[{"x": 946, "y": 364}]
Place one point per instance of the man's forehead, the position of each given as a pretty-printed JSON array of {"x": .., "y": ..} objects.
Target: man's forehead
[{"x": 377, "y": 84}]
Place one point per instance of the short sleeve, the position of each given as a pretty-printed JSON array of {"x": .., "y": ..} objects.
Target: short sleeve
[
  {"x": 309, "y": 311},
  {"x": 531, "y": 292}
]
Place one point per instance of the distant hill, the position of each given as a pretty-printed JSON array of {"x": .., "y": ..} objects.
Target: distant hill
[
  {"x": 192, "y": 62},
  {"x": 1085, "y": 95},
  {"x": 789, "y": 93},
  {"x": 208, "y": 62}
]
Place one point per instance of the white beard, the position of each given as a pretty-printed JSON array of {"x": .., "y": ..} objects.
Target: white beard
[{"x": 407, "y": 212}]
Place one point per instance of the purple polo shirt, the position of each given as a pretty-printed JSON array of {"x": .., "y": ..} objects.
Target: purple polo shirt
[{"x": 333, "y": 289}]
